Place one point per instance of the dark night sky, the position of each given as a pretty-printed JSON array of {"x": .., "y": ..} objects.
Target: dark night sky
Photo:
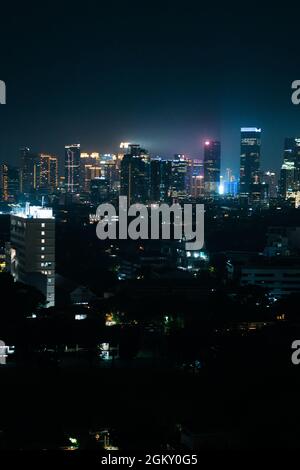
[{"x": 163, "y": 76}]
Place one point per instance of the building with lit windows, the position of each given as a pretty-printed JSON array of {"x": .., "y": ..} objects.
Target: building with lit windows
[
  {"x": 9, "y": 183},
  {"x": 270, "y": 181},
  {"x": 212, "y": 167},
  {"x": 196, "y": 179},
  {"x": 280, "y": 277},
  {"x": 30, "y": 171},
  {"x": 30, "y": 254},
  {"x": 179, "y": 181},
  {"x": 99, "y": 188},
  {"x": 89, "y": 169},
  {"x": 72, "y": 168},
  {"x": 48, "y": 172},
  {"x": 292, "y": 155},
  {"x": 160, "y": 179},
  {"x": 287, "y": 179},
  {"x": 250, "y": 162},
  {"x": 135, "y": 175}
]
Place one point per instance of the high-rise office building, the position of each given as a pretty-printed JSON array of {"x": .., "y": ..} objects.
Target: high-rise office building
[
  {"x": 196, "y": 179},
  {"x": 48, "y": 172},
  {"x": 287, "y": 179},
  {"x": 160, "y": 179},
  {"x": 111, "y": 172},
  {"x": 99, "y": 188},
  {"x": 135, "y": 175},
  {"x": 72, "y": 168},
  {"x": 230, "y": 183},
  {"x": 31, "y": 250},
  {"x": 155, "y": 180},
  {"x": 89, "y": 169},
  {"x": 291, "y": 158},
  {"x": 9, "y": 183},
  {"x": 30, "y": 171},
  {"x": 250, "y": 162},
  {"x": 212, "y": 167},
  {"x": 166, "y": 179},
  {"x": 179, "y": 182},
  {"x": 270, "y": 181}
]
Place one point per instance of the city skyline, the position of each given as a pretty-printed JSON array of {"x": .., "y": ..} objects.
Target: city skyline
[{"x": 200, "y": 155}]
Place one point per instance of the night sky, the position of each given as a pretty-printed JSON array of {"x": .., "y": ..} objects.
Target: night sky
[{"x": 163, "y": 76}]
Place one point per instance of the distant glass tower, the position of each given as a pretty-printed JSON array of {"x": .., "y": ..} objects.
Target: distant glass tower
[
  {"x": 197, "y": 179},
  {"x": 287, "y": 179},
  {"x": 166, "y": 179},
  {"x": 179, "y": 183},
  {"x": 212, "y": 167},
  {"x": 89, "y": 169},
  {"x": 270, "y": 181},
  {"x": 160, "y": 179},
  {"x": 155, "y": 180},
  {"x": 99, "y": 189},
  {"x": 72, "y": 168},
  {"x": 291, "y": 163},
  {"x": 30, "y": 171},
  {"x": 250, "y": 161},
  {"x": 48, "y": 172},
  {"x": 135, "y": 175}
]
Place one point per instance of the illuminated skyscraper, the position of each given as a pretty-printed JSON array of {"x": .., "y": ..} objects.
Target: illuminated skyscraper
[
  {"x": 30, "y": 171},
  {"x": 212, "y": 167},
  {"x": 89, "y": 169},
  {"x": 72, "y": 168},
  {"x": 155, "y": 180},
  {"x": 250, "y": 161},
  {"x": 9, "y": 183},
  {"x": 287, "y": 179},
  {"x": 269, "y": 179},
  {"x": 197, "y": 179},
  {"x": 135, "y": 175},
  {"x": 179, "y": 181},
  {"x": 160, "y": 179},
  {"x": 48, "y": 172},
  {"x": 230, "y": 183},
  {"x": 291, "y": 157}
]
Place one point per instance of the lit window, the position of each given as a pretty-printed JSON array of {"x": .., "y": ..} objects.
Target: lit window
[
  {"x": 43, "y": 240},
  {"x": 43, "y": 225},
  {"x": 43, "y": 248},
  {"x": 42, "y": 233},
  {"x": 42, "y": 256}
]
